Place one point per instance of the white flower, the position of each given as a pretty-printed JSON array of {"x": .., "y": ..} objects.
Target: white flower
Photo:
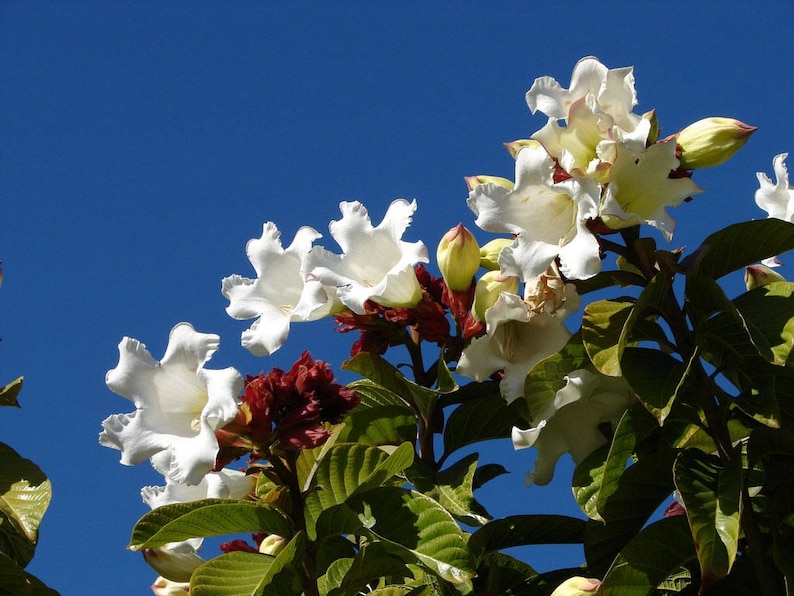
[
  {"x": 224, "y": 484},
  {"x": 180, "y": 405},
  {"x": 279, "y": 294},
  {"x": 570, "y": 423},
  {"x": 776, "y": 199},
  {"x": 516, "y": 339},
  {"x": 547, "y": 218},
  {"x": 375, "y": 265},
  {"x": 176, "y": 561},
  {"x": 606, "y": 91},
  {"x": 165, "y": 587},
  {"x": 640, "y": 188}
]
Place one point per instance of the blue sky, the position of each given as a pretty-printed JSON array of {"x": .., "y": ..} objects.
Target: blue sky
[{"x": 142, "y": 144}]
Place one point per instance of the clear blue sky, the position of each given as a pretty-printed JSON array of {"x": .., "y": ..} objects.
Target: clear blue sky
[{"x": 142, "y": 144}]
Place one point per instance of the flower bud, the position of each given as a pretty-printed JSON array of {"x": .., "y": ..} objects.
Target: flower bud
[
  {"x": 176, "y": 561},
  {"x": 472, "y": 181},
  {"x": 515, "y": 146},
  {"x": 489, "y": 253},
  {"x": 653, "y": 133},
  {"x": 577, "y": 586},
  {"x": 711, "y": 141},
  {"x": 458, "y": 257},
  {"x": 756, "y": 276},
  {"x": 272, "y": 545},
  {"x": 488, "y": 289}
]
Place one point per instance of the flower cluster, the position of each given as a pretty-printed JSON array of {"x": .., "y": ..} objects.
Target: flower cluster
[{"x": 283, "y": 411}]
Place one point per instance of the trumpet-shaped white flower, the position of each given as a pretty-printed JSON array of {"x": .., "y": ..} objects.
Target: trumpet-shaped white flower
[
  {"x": 570, "y": 423},
  {"x": 376, "y": 264},
  {"x": 640, "y": 188},
  {"x": 180, "y": 405},
  {"x": 776, "y": 199},
  {"x": 224, "y": 484},
  {"x": 516, "y": 339},
  {"x": 279, "y": 294},
  {"x": 606, "y": 91},
  {"x": 547, "y": 218}
]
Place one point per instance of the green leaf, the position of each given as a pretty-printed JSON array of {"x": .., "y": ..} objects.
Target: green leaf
[
  {"x": 378, "y": 370},
  {"x": 521, "y": 530},
  {"x": 480, "y": 419},
  {"x": 241, "y": 574},
  {"x": 712, "y": 497},
  {"x": 453, "y": 488},
  {"x": 14, "y": 581},
  {"x": 499, "y": 573},
  {"x": 25, "y": 494},
  {"x": 743, "y": 244},
  {"x": 416, "y": 527},
  {"x": 655, "y": 377},
  {"x": 603, "y": 333},
  {"x": 769, "y": 314},
  {"x": 597, "y": 477},
  {"x": 377, "y": 420},
  {"x": 352, "y": 469},
  {"x": 768, "y": 442},
  {"x": 642, "y": 487},
  {"x": 208, "y": 517},
  {"x": 606, "y": 279},
  {"x": 9, "y": 393},
  {"x": 348, "y": 577},
  {"x": 648, "y": 559}
]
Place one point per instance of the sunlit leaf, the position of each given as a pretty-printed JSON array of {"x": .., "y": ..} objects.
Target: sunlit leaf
[
  {"x": 603, "y": 333},
  {"x": 712, "y": 496},
  {"x": 649, "y": 558},
  {"x": 743, "y": 244},
  {"x": 769, "y": 313},
  {"x": 241, "y": 574},
  {"x": 9, "y": 393},
  {"x": 418, "y": 527},
  {"x": 348, "y": 577},
  {"x": 547, "y": 377},
  {"x": 208, "y": 517},
  {"x": 25, "y": 494}
]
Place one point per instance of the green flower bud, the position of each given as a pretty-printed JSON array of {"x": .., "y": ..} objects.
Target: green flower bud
[
  {"x": 458, "y": 257},
  {"x": 488, "y": 289},
  {"x": 711, "y": 141},
  {"x": 756, "y": 276},
  {"x": 472, "y": 181},
  {"x": 577, "y": 586},
  {"x": 489, "y": 254},
  {"x": 515, "y": 146}
]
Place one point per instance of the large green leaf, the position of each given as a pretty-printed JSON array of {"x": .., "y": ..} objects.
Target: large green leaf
[
  {"x": 25, "y": 494},
  {"x": 743, "y": 244},
  {"x": 649, "y": 558},
  {"x": 9, "y": 393},
  {"x": 480, "y": 419},
  {"x": 417, "y": 527},
  {"x": 606, "y": 279},
  {"x": 712, "y": 497},
  {"x": 208, "y": 517},
  {"x": 769, "y": 313},
  {"x": 351, "y": 469},
  {"x": 655, "y": 377},
  {"x": 521, "y": 530},
  {"x": 642, "y": 487},
  {"x": 499, "y": 573}
]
